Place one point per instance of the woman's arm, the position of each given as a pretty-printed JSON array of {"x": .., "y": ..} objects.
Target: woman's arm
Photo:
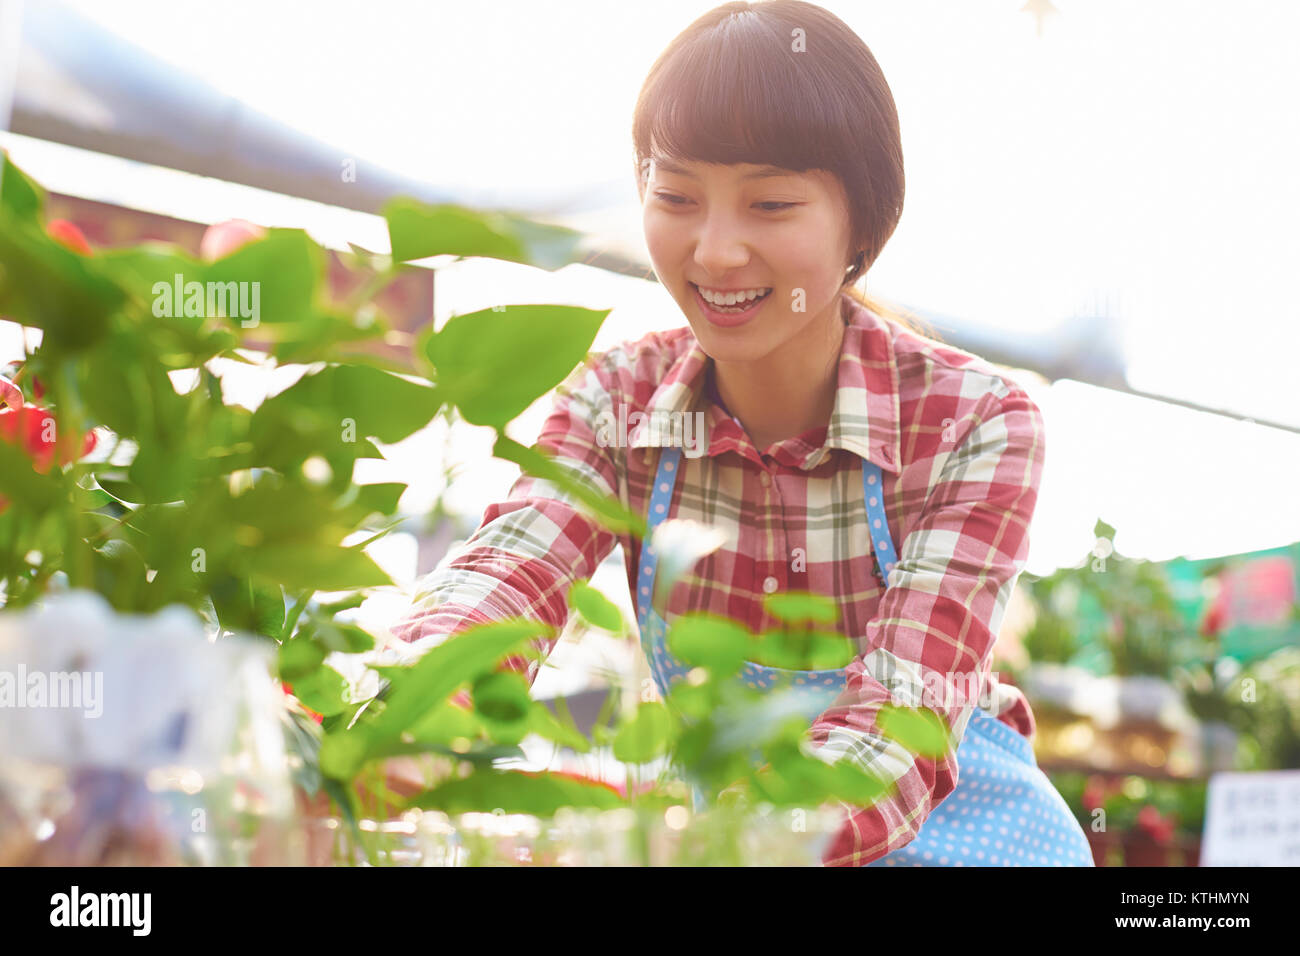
[
  {"x": 933, "y": 634},
  {"x": 531, "y": 547}
]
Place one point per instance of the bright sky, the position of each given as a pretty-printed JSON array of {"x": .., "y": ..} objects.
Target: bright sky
[{"x": 1136, "y": 158}]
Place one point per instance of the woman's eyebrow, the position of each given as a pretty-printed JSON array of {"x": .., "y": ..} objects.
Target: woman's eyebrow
[{"x": 762, "y": 172}]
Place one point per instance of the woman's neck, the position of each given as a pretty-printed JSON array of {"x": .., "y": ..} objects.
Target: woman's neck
[{"x": 787, "y": 392}]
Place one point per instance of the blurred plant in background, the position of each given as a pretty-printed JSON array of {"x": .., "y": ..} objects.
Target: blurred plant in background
[{"x": 1112, "y": 615}]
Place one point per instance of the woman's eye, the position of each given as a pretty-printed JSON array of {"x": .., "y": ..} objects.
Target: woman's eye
[{"x": 765, "y": 206}]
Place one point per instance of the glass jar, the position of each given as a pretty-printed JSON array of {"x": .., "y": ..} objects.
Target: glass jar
[{"x": 137, "y": 740}]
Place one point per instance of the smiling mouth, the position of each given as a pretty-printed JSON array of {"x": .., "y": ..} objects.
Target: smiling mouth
[
  {"x": 729, "y": 317},
  {"x": 738, "y": 309}
]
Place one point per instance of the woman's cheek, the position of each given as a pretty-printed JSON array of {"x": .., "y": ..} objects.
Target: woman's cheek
[{"x": 661, "y": 247}]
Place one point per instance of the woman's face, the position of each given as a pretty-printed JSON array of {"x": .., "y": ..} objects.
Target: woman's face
[{"x": 747, "y": 227}]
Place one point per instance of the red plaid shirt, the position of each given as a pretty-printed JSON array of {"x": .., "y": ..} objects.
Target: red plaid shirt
[{"x": 961, "y": 449}]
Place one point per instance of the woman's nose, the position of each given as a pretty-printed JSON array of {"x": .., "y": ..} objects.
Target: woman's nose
[{"x": 721, "y": 246}]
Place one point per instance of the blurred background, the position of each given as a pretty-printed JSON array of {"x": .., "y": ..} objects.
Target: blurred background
[{"x": 1101, "y": 197}]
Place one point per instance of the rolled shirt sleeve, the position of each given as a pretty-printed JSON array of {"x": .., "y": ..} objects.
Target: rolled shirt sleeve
[{"x": 931, "y": 641}]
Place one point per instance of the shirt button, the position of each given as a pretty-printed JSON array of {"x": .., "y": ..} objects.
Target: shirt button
[
  {"x": 765, "y": 479},
  {"x": 770, "y": 584}
]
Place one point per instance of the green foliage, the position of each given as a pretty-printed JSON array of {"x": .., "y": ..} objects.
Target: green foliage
[
  {"x": 418, "y": 230},
  {"x": 595, "y": 608},
  {"x": 493, "y": 364},
  {"x": 517, "y": 792},
  {"x": 1124, "y": 797},
  {"x": 646, "y": 736},
  {"x": 711, "y": 641},
  {"x": 1112, "y": 615},
  {"x": 1266, "y": 711},
  {"x": 242, "y": 514}
]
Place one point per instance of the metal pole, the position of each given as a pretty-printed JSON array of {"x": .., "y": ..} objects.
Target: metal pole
[{"x": 11, "y": 32}]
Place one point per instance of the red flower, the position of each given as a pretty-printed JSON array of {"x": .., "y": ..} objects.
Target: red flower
[
  {"x": 35, "y": 430},
  {"x": 222, "y": 238},
  {"x": 1094, "y": 793},
  {"x": 68, "y": 235},
  {"x": 1214, "y": 619},
  {"x": 1160, "y": 828}
]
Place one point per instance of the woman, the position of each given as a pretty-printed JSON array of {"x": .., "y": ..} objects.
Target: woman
[{"x": 770, "y": 171}]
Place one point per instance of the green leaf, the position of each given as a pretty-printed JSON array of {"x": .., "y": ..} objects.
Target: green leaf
[
  {"x": 286, "y": 264},
  {"x": 920, "y": 730},
  {"x": 546, "y": 724},
  {"x": 299, "y": 657},
  {"x": 243, "y": 606},
  {"x": 804, "y": 650},
  {"x": 493, "y": 365},
  {"x": 324, "y": 691},
  {"x": 341, "y": 637},
  {"x": 597, "y": 609},
  {"x": 696, "y": 701},
  {"x": 445, "y": 723},
  {"x": 711, "y": 641},
  {"x": 797, "y": 607},
  {"x": 419, "y": 230},
  {"x": 800, "y": 778},
  {"x": 24, "y": 485},
  {"x": 360, "y": 502},
  {"x": 646, "y": 736},
  {"x": 343, "y": 604},
  {"x": 333, "y": 411},
  {"x": 317, "y": 337},
  {"x": 606, "y": 509},
  {"x": 49, "y": 287},
  {"x": 120, "y": 573},
  {"x": 501, "y": 696},
  {"x": 19, "y": 193},
  {"x": 313, "y": 566},
  {"x": 540, "y": 794},
  {"x": 115, "y": 390},
  {"x": 431, "y": 679}
]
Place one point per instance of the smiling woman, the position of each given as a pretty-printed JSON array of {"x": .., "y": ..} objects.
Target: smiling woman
[{"x": 770, "y": 171}]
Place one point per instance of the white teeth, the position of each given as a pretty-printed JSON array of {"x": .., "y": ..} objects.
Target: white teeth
[{"x": 730, "y": 298}]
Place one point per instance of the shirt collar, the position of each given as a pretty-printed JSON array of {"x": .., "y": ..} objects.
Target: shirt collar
[{"x": 864, "y": 421}]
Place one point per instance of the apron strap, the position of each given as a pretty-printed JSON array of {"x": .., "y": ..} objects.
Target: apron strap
[
  {"x": 877, "y": 523},
  {"x": 661, "y": 499}
]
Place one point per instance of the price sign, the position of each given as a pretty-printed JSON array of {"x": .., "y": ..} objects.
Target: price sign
[{"x": 1252, "y": 819}]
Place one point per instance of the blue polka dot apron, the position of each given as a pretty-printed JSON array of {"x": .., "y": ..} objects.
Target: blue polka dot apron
[{"x": 1003, "y": 812}]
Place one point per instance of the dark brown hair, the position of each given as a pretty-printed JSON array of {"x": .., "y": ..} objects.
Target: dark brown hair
[{"x": 787, "y": 83}]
